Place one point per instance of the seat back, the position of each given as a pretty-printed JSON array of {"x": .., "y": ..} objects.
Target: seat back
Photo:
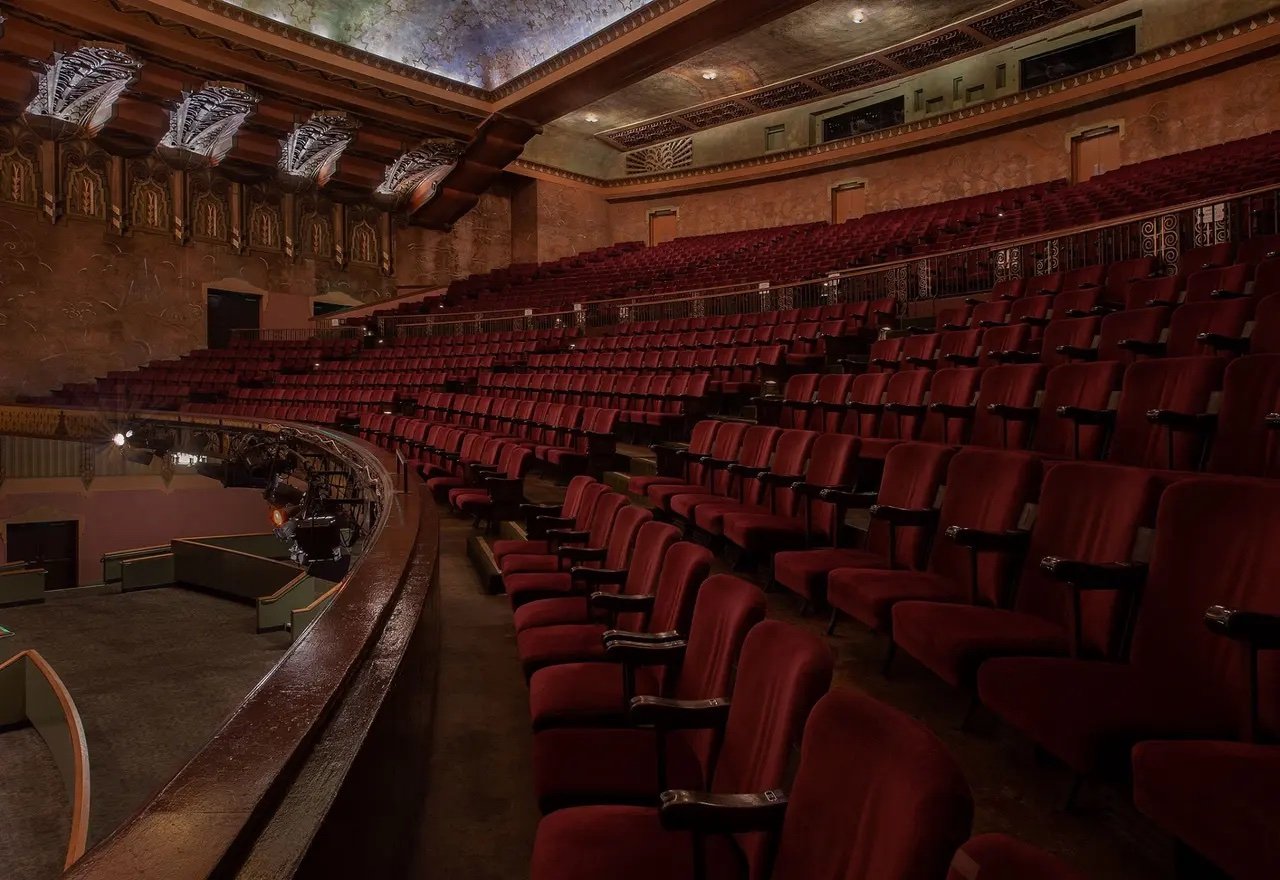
[
  {"x": 913, "y": 475},
  {"x": 1186, "y": 385},
  {"x": 1094, "y": 513},
  {"x": 1001, "y": 857},
  {"x": 953, "y": 386},
  {"x": 684, "y": 568},
  {"x": 832, "y": 463},
  {"x": 876, "y": 795},
  {"x": 1266, "y": 326},
  {"x": 1009, "y": 385},
  {"x": 1123, "y": 273},
  {"x": 756, "y": 451},
  {"x": 726, "y": 609},
  {"x": 831, "y": 388},
  {"x": 1251, "y": 391},
  {"x": 790, "y": 456},
  {"x": 1072, "y": 332},
  {"x": 1088, "y": 386},
  {"x": 1227, "y": 318},
  {"x": 591, "y": 496},
  {"x": 910, "y": 389},
  {"x": 622, "y": 535},
  {"x": 1142, "y": 324},
  {"x": 1217, "y": 543},
  {"x": 653, "y": 540},
  {"x": 868, "y": 388},
  {"x": 800, "y": 388}
]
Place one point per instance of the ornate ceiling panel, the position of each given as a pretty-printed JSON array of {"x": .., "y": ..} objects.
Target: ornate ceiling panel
[{"x": 483, "y": 43}]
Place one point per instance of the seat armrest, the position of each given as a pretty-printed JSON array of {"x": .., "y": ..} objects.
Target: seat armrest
[
  {"x": 668, "y": 714},
  {"x": 1226, "y": 294},
  {"x": 769, "y": 478},
  {"x": 706, "y": 813},
  {"x": 1262, "y": 631},
  {"x": 1219, "y": 342},
  {"x": 1016, "y": 356},
  {"x": 923, "y": 362},
  {"x": 622, "y": 602},
  {"x": 599, "y": 576},
  {"x": 624, "y": 635},
  {"x": 1084, "y": 416},
  {"x": 1182, "y": 421},
  {"x": 1014, "y": 413},
  {"x": 646, "y": 653},
  {"x": 716, "y": 464},
  {"x": 886, "y": 363},
  {"x": 1167, "y": 303},
  {"x": 549, "y": 521},
  {"x": 989, "y": 542},
  {"x": 848, "y": 499},
  {"x": 865, "y": 407},
  {"x": 743, "y": 470},
  {"x": 953, "y": 410},
  {"x": 537, "y": 509},
  {"x": 1272, "y": 420},
  {"x": 582, "y": 554},
  {"x": 1083, "y": 575},
  {"x": 907, "y": 409},
  {"x": 565, "y": 536},
  {"x": 1078, "y": 352},
  {"x": 811, "y": 490},
  {"x": 904, "y": 516}
]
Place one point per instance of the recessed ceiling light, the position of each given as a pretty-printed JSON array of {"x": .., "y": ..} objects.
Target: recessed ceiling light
[
  {"x": 591, "y": 117},
  {"x": 709, "y": 74},
  {"x": 858, "y": 16}
]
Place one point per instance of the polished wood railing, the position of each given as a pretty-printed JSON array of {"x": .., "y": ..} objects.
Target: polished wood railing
[{"x": 321, "y": 770}]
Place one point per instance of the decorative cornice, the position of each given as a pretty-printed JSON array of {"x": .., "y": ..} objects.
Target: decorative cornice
[
  {"x": 310, "y": 154},
  {"x": 203, "y": 127},
  {"x": 1010, "y": 21},
  {"x": 76, "y": 93},
  {"x": 424, "y": 165},
  {"x": 1226, "y": 33}
]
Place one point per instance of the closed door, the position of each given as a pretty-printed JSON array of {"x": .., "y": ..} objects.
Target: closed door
[
  {"x": 662, "y": 227},
  {"x": 848, "y": 203},
  {"x": 1095, "y": 153},
  {"x": 53, "y": 546},
  {"x": 229, "y": 311}
]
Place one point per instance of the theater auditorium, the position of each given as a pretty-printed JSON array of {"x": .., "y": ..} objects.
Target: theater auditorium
[{"x": 640, "y": 439}]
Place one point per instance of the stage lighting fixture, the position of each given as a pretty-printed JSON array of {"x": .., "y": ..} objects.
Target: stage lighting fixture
[
  {"x": 119, "y": 439},
  {"x": 282, "y": 493},
  {"x": 319, "y": 538}
]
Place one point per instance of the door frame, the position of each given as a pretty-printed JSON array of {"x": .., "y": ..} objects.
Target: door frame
[{"x": 40, "y": 518}]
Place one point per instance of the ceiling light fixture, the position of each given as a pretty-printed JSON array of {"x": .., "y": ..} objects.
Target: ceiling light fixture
[
  {"x": 591, "y": 117},
  {"x": 858, "y": 16},
  {"x": 709, "y": 74}
]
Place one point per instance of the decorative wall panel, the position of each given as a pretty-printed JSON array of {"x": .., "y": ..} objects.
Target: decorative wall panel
[{"x": 663, "y": 157}]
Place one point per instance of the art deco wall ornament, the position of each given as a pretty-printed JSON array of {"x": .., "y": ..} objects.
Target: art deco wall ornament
[
  {"x": 203, "y": 128},
  {"x": 414, "y": 176},
  {"x": 309, "y": 155},
  {"x": 76, "y": 95}
]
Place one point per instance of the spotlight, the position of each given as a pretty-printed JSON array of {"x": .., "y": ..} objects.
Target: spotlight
[
  {"x": 858, "y": 16},
  {"x": 591, "y": 117},
  {"x": 118, "y": 439},
  {"x": 319, "y": 537},
  {"x": 709, "y": 74},
  {"x": 282, "y": 493}
]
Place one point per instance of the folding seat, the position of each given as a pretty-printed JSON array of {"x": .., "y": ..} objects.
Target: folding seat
[
  {"x": 712, "y": 469},
  {"x": 986, "y": 490},
  {"x": 832, "y": 464},
  {"x": 913, "y": 473},
  {"x": 806, "y": 350},
  {"x": 958, "y": 348},
  {"x": 998, "y": 416},
  {"x": 667, "y": 612},
  {"x": 477, "y": 457},
  {"x": 1161, "y": 290},
  {"x": 1045, "y": 285},
  {"x": 993, "y": 313},
  {"x": 499, "y": 496},
  {"x": 1001, "y": 857},
  {"x": 727, "y": 480},
  {"x": 1088, "y": 513},
  {"x": 678, "y": 464},
  {"x": 1241, "y": 445},
  {"x": 1077, "y": 303},
  {"x": 886, "y": 354},
  {"x": 875, "y": 793},
  {"x": 901, "y": 414},
  {"x": 596, "y": 695},
  {"x": 1123, "y": 273},
  {"x": 1266, "y": 279},
  {"x": 574, "y": 513},
  {"x": 790, "y": 409},
  {"x": 918, "y": 352},
  {"x": 1227, "y": 282},
  {"x": 955, "y": 318},
  {"x": 830, "y": 399},
  {"x": 863, "y": 408},
  {"x": 592, "y": 444},
  {"x": 762, "y": 489},
  {"x": 782, "y": 672},
  {"x": 609, "y": 543},
  {"x": 1256, "y": 250},
  {"x": 1264, "y": 335},
  {"x": 1121, "y": 334},
  {"x": 1213, "y": 256},
  {"x": 1190, "y": 674}
]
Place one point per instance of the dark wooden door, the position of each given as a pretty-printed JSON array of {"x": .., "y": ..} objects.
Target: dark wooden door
[
  {"x": 229, "y": 311},
  {"x": 53, "y": 546}
]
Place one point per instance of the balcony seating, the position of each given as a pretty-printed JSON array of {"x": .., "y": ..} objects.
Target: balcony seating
[
  {"x": 782, "y": 672},
  {"x": 1087, "y": 512},
  {"x": 1217, "y": 542},
  {"x": 596, "y": 534},
  {"x": 727, "y": 484},
  {"x": 638, "y": 578},
  {"x": 728, "y": 442},
  {"x": 682, "y": 460},
  {"x": 579, "y": 496},
  {"x": 684, "y": 567},
  {"x": 699, "y": 667},
  {"x": 755, "y": 490}
]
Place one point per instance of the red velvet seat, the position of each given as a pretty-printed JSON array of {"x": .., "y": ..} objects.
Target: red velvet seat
[
  {"x": 598, "y": 694},
  {"x": 1089, "y": 512},
  {"x": 913, "y": 472},
  {"x": 901, "y": 413},
  {"x": 1173, "y": 385},
  {"x": 1001, "y": 857},
  {"x": 781, "y": 673},
  {"x": 876, "y": 795},
  {"x": 1217, "y": 542},
  {"x": 1251, "y": 391},
  {"x": 727, "y": 484},
  {"x": 639, "y": 578},
  {"x": 725, "y": 448},
  {"x": 1093, "y": 386},
  {"x": 986, "y": 489},
  {"x": 568, "y": 578},
  {"x": 790, "y": 456},
  {"x": 1221, "y": 799},
  {"x": 860, "y": 414},
  {"x": 684, "y": 567},
  {"x": 700, "y": 440},
  {"x": 599, "y": 523},
  {"x": 832, "y": 464},
  {"x": 579, "y": 498}
]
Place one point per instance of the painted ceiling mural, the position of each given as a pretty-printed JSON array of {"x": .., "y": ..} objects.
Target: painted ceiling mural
[{"x": 478, "y": 42}]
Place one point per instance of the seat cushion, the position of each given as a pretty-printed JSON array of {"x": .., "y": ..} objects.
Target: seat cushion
[
  {"x": 584, "y": 695},
  {"x": 610, "y": 765},
  {"x": 868, "y": 595},
  {"x": 805, "y": 572},
  {"x": 640, "y": 485},
  {"x": 506, "y": 547},
  {"x": 552, "y": 612},
  {"x": 661, "y": 495},
  {"x": 710, "y": 516},
  {"x": 525, "y": 587},
  {"x": 1090, "y": 713},
  {"x": 468, "y": 500},
  {"x": 621, "y": 843},
  {"x": 685, "y": 504},
  {"x": 519, "y": 563},
  {"x": 753, "y": 531},
  {"x": 567, "y": 643},
  {"x": 1198, "y": 790},
  {"x": 953, "y": 640}
]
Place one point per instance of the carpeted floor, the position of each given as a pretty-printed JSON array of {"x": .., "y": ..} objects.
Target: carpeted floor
[
  {"x": 35, "y": 811},
  {"x": 153, "y": 674}
]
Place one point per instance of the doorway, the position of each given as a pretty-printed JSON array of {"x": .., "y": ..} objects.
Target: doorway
[
  {"x": 662, "y": 226},
  {"x": 848, "y": 202},
  {"x": 53, "y": 546},
  {"x": 229, "y": 311},
  {"x": 1095, "y": 152}
]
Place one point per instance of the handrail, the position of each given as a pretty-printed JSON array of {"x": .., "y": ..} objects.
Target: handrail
[
  {"x": 76, "y": 774},
  {"x": 316, "y": 740}
]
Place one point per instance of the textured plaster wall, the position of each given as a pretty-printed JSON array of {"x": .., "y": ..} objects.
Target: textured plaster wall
[
  {"x": 570, "y": 220},
  {"x": 1172, "y": 120},
  {"x": 76, "y": 302},
  {"x": 480, "y": 241}
]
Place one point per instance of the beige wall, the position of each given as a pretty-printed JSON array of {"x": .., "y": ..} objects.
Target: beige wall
[
  {"x": 1171, "y": 120},
  {"x": 480, "y": 241}
]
